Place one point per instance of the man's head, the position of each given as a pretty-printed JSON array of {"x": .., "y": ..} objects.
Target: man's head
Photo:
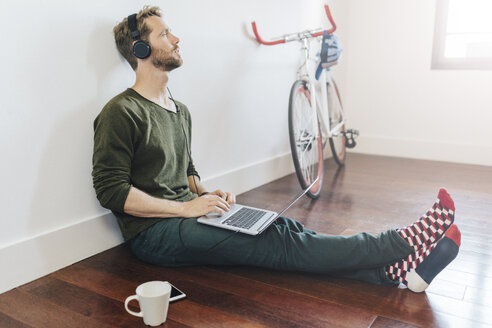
[{"x": 164, "y": 49}]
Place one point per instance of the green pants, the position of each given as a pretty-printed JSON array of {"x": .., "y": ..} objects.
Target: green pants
[{"x": 285, "y": 245}]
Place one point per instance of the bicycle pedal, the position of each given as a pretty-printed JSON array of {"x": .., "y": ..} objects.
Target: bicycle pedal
[
  {"x": 350, "y": 143},
  {"x": 349, "y": 138},
  {"x": 353, "y": 132}
]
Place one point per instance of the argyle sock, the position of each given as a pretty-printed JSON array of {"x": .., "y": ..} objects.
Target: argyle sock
[
  {"x": 432, "y": 225},
  {"x": 419, "y": 269}
]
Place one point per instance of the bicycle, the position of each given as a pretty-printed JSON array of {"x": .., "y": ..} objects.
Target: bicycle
[{"x": 316, "y": 114}]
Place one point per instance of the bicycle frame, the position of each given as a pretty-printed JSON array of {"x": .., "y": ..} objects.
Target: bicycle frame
[
  {"x": 306, "y": 72},
  {"x": 319, "y": 91}
]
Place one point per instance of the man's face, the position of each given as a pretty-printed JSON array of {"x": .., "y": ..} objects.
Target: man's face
[{"x": 165, "y": 51}]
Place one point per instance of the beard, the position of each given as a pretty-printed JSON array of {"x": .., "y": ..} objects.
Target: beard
[{"x": 165, "y": 60}]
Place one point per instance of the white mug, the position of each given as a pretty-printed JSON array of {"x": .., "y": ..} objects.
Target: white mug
[{"x": 153, "y": 298}]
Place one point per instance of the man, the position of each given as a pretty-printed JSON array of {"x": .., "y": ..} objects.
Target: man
[{"x": 144, "y": 173}]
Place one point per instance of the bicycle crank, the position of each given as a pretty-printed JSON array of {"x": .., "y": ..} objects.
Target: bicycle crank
[{"x": 350, "y": 135}]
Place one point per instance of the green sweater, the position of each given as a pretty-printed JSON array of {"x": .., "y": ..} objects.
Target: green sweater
[{"x": 138, "y": 143}]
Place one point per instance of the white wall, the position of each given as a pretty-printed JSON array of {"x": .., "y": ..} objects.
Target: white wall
[
  {"x": 60, "y": 66},
  {"x": 401, "y": 106}
]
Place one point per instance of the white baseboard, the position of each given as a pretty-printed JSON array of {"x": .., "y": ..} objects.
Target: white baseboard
[
  {"x": 35, "y": 257},
  {"x": 29, "y": 259},
  {"x": 422, "y": 149}
]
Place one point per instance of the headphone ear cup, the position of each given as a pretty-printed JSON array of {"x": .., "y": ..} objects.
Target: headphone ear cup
[{"x": 141, "y": 49}]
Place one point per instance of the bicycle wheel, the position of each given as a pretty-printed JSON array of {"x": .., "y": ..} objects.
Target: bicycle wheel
[
  {"x": 305, "y": 139},
  {"x": 335, "y": 112}
]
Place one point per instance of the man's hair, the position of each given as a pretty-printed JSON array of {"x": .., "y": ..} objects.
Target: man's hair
[{"x": 123, "y": 38}]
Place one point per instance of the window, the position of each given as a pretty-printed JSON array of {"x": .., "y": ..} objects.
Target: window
[{"x": 463, "y": 35}]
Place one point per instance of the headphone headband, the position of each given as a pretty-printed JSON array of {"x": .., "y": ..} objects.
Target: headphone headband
[{"x": 132, "y": 24}]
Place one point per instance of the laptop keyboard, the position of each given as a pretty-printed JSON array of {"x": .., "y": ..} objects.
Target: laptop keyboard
[{"x": 244, "y": 218}]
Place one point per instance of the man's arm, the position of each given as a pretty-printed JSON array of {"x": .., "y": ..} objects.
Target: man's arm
[{"x": 140, "y": 204}]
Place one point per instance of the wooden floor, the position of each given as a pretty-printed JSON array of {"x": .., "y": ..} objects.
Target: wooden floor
[{"x": 370, "y": 194}]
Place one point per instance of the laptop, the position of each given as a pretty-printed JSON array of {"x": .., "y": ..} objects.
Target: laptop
[{"x": 247, "y": 219}]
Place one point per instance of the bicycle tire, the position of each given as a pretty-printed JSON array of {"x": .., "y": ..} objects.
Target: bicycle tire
[
  {"x": 337, "y": 143},
  {"x": 306, "y": 144}
]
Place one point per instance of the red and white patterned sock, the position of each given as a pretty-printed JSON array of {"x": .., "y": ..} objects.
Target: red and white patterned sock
[
  {"x": 432, "y": 225},
  {"x": 419, "y": 269}
]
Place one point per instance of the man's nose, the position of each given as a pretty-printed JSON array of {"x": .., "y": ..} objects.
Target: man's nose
[{"x": 176, "y": 39}]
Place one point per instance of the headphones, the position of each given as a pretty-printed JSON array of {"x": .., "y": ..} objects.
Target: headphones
[{"x": 141, "y": 49}]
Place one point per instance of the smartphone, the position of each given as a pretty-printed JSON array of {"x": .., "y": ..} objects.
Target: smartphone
[{"x": 176, "y": 294}]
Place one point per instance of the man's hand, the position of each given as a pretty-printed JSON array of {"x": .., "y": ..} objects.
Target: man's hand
[
  {"x": 227, "y": 196},
  {"x": 206, "y": 204}
]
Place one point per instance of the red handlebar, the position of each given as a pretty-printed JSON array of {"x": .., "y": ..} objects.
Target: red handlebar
[
  {"x": 271, "y": 43},
  {"x": 260, "y": 40},
  {"x": 332, "y": 22}
]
